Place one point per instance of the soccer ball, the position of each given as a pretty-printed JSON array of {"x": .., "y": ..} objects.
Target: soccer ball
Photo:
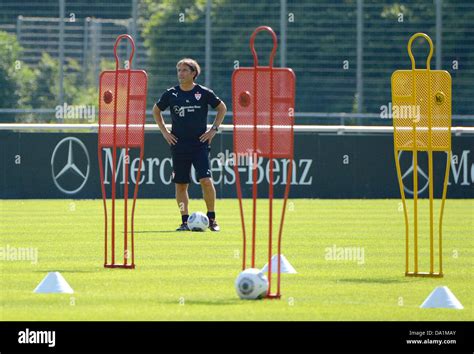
[
  {"x": 198, "y": 221},
  {"x": 251, "y": 284}
]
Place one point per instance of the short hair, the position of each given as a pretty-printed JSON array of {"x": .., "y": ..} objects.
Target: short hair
[{"x": 192, "y": 64}]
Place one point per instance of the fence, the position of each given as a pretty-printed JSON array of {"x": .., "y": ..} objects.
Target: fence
[{"x": 343, "y": 52}]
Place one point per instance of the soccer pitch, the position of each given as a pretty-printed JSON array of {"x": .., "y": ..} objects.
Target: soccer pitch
[{"x": 190, "y": 276}]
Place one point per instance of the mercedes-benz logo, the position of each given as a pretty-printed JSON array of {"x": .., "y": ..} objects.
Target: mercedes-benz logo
[
  {"x": 74, "y": 165},
  {"x": 408, "y": 175}
]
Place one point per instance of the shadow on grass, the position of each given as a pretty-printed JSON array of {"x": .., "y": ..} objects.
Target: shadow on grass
[
  {"x": 222, "y": 302},
  {"x": 375, "y": 281},
  {"x": 65, "y": 271},
  {"x": 152, "y": 232}
]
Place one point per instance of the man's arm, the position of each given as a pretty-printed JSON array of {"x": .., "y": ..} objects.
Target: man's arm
[
  {"x": 170, "y": 138},
  {"x": 221, "y": 111}
]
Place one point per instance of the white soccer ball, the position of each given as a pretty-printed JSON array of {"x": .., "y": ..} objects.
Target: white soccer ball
[
  {"x": 198, "y": 221},
  {"x": 251, "y": 284}
]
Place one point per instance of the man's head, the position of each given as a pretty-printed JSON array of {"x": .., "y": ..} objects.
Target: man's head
[{"x": 188, "y": 70}]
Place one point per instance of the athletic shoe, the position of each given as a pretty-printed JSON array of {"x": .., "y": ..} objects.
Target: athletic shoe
[
  {"x": 183, "y": 227},
  {"x": 213, "y": 225}
]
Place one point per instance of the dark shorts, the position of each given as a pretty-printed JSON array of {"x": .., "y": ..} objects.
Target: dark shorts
[{"x": 182, "y": 161}]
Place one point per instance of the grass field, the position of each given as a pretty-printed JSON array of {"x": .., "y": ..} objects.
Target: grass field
[{"x": 190, "y": 276}]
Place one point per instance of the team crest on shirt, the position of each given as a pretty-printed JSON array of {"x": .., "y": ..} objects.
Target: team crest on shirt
[{"x": 197, "y": 95}]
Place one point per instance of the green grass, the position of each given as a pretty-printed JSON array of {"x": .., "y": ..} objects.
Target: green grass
[{"x": 190, "y": 276}]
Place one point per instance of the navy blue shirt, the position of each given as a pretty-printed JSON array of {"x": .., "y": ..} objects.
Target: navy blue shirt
[{"x": 188, "y": 113}]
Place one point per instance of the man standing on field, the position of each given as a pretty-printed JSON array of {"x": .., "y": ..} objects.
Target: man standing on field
[{"x": 189, "y": 138}]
